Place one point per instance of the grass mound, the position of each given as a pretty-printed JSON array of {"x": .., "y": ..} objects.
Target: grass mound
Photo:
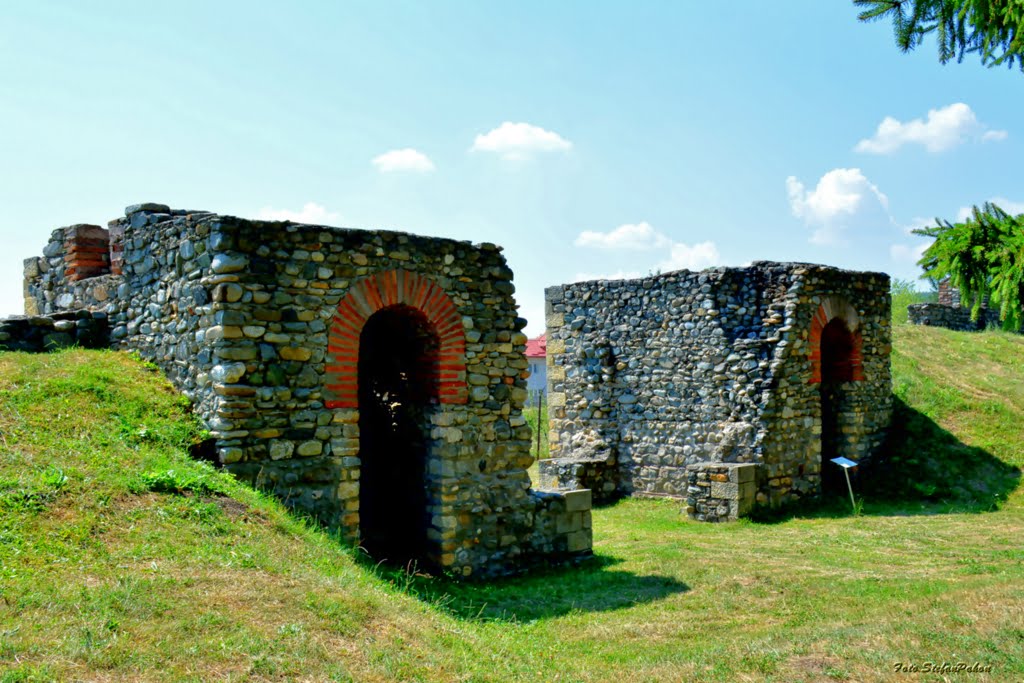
[
  {"x": 957, "y": 437},
  {"x": 123, "y": 559}
]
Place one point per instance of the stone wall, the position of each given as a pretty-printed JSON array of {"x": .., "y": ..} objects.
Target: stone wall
[
  {"x": 952, "y": 317},
  {"x": 40, "y": 333},
  {"x": 601, "y": 477},
  {"x": 159, "y": 306},
  {"x": 260, "y": 324},
  {"x": 720, "y": 492},
  {"x": 949, "y": 312},
  {"x": 662, "y": 373}
]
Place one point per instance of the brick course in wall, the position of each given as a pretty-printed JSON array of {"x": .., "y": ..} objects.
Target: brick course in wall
[
  {"x": 386, "y": 289},
  {"x": 86, "y": 252}
]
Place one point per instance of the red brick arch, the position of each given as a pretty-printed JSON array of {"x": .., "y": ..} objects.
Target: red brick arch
[
  {"x": 833, "y": 307},
  {"x": 382, "y": 290}
]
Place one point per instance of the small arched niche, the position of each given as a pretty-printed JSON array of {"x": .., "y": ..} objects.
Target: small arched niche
[{"x": 397, "y": 392}]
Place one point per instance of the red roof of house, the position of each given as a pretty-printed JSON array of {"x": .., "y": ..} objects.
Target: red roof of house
[{"x": 537, "y": 347}]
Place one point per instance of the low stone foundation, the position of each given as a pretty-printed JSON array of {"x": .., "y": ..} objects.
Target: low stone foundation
[
  {"x": 563, "y": 529},
  {"x": 39, "y": 333},
  {"x": 601, "y": 476},
  {"x": 720, "y": 491},
  {"x": 951, "y": 317}
]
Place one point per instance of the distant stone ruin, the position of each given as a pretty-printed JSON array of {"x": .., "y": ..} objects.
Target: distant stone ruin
[
  {"x": 373, "y": 379},
  {"x": 728, "y": 387},
  {"x": 949, "y": 313}
]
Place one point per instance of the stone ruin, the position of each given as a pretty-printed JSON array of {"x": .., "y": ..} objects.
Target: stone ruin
[
  {"x": 376, "y": 379},
  {"x": 948, "y": 312},
  {"x": 373, "y": 379},
  {"x": 728, "y": 388}
]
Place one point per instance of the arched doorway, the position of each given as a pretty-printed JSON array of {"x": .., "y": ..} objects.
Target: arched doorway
[
  {"x": 398, "y": 391},
  {"x": 838, "y": 351}
]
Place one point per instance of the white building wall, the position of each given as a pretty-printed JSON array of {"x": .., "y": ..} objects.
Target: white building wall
[{"x": 538, "y": 380}]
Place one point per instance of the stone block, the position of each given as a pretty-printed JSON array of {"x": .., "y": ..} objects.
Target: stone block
[
  {"x": 230, "y": 454},
  {"x": 280, "y": 450},
  {"x": 554, "y": 320},
  {"x": 295, "y": 353},
  {"x": 579, "y": 541},
  {"x": 744, "y": 506},
  {"x": 309, "y": 448},
  {"x": 724, "y": 490},
  {"x": 346, "y": 416},
  {"x": 578, "y": 501},
  {"x": 740, "y": 474},
  {"x": 229, "y": 263},
  {"x": 146, "y": 207},
  {"x": 347, "y": 490}
]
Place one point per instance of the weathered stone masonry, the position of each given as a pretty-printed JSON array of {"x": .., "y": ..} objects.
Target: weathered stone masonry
[
  {"x": 668, "y": 385},
  {"x": 949, "y": 313},
  {"x": 374, "y": 379}
]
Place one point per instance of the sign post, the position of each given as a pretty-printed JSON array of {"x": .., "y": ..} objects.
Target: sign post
[{"x": 846, "y": 464}]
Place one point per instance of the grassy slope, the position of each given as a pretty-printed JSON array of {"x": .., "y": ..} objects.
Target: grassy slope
[{"x": 102, "y": 578}]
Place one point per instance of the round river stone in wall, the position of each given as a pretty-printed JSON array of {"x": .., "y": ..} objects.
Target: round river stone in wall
[{"x": 229, "y": 263}]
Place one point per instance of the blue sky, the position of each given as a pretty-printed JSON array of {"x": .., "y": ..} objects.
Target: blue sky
[{"x": 589, "y": 139}]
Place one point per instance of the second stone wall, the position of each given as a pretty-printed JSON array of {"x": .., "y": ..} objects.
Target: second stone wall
[{"x": 663, "y": 373}]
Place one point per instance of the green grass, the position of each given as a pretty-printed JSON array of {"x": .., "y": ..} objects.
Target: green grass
[
  {"x": 537, "y": 418},
  {"x": 121, "y": 559},
  {"x": 904, "y": 293}
]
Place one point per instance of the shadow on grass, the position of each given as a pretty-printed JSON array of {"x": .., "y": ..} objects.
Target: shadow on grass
[
  {"x": 588, "y": 587},
  {"x": 922, "y": 469}
]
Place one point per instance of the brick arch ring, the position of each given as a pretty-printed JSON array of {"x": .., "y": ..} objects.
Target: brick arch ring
[
  {"x": 832, "y": 307},
  {"x": 379, "y": 291}
]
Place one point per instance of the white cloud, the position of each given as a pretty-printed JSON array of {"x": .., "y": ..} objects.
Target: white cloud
[
  {"x": 617, "y": 275},
  {"x": 312, "y": 213},
  {"x": 635, "y": 236},
  {"x": 519, "y": 141},
  {"x": 943, "y": 129},
  {"x": 407, "y": 159},
  {"x": 684, "y": 257},
  {"x": 907, "y": 253},
  {"x": 643, "y": 237},
  {"x": 843, "y": 199}
]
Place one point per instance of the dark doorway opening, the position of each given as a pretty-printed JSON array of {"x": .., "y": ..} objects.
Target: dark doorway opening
[
  {"x": 397, "y": 394},
  {"x": 837, "y": 347}
]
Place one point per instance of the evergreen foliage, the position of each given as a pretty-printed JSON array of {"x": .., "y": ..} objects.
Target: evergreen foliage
[
  {"x": 983, "y": 257},
  {"x": 992, "y": 28}
]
